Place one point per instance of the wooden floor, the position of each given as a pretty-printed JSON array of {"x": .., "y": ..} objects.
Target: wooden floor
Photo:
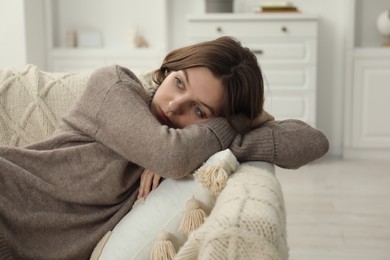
[{"x": 338, "y": 209}]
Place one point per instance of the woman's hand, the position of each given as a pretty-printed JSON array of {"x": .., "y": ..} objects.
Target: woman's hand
[
  {"x": 149, "y": 181},
  {"x": 261, "y": 119},
  {"x": 243, "y": 124}
]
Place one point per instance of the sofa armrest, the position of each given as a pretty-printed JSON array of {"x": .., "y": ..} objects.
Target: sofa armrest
[{"x": 247, "y": 222}]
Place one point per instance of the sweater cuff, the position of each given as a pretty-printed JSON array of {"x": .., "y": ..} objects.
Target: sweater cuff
[
  {"x": 257, "y": 145},
  {"x": 222, "y": 130}
]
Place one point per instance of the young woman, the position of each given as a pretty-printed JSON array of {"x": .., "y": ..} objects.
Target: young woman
[{"x": 60, "y": 196}]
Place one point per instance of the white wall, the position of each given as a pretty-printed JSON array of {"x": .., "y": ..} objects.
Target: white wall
[
  {"x": 12, "y": 34},
  {"x": 21, "y": 21},
  {"x": 35, "y": 32},
  {"x": 331, "y": 68}
]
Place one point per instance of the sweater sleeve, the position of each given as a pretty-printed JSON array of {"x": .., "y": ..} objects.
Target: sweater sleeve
[
  {"x": 288, "y": 144},
  {"x": 114, "y": 111}
]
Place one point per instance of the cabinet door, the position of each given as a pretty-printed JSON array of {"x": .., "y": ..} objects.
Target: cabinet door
[{"x": 371, "y": 106}]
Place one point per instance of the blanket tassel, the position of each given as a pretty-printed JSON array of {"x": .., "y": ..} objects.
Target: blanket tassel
[
  {"x": 163, "y": 249},
  {"x": 213, "y": 178},
  {"x": 193, "y": 217}
]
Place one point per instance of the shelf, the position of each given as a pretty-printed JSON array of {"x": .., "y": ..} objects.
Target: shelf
[
  {"x": 366, "y": 130},
  {"x": 117, "y": 22},
  {"x": 377, "y": 52},
  {"x": 253, "y": 17},
  {"x": 103, "y": 52}
]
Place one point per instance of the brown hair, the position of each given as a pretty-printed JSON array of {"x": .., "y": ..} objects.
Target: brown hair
[{"x": 228, "y": 60}]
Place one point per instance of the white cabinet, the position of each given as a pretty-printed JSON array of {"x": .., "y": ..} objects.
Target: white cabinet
[
  {"x": 368, "y": 131},
  {"x": 115, "y": 22},
  {"x": 367, "y": 88},
  {"x": 286, "y": 48},
  {"x": 371, "y": 106}
]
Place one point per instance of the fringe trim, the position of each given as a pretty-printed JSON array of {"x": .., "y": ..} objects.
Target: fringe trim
[
  {"x": 213, "y": 178},
  {"x": 163, "y": 249},
  {"x": 193, "y": 217}
]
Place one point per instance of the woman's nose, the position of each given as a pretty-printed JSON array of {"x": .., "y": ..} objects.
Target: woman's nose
[{"x": 176, "y": 105}]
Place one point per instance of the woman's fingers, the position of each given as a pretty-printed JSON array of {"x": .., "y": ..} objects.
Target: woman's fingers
[
  {"x": 156, "y": 181},
  {"x": 143, "y": 188},
  {"x": 141, "y": 185},
  {"x": 149, "y": 181}
]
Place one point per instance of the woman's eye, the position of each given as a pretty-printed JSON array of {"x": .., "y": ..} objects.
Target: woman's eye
[
  {"x": 179, "y": 83},
  {"x": 198, "y": 111}
]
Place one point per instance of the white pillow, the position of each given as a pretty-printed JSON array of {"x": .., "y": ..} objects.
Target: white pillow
[{"x": 138, "y": 231}]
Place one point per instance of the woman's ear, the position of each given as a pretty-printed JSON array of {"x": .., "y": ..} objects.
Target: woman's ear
[{"x": 166, "y": 72}]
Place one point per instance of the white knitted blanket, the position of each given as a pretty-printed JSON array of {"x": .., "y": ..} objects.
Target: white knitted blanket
[
  {"x": 32, "y": 102},
  {"x": 247, "y": 222}
]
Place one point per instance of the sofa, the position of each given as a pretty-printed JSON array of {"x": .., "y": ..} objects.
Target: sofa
[{"x": 244, "y": 219}]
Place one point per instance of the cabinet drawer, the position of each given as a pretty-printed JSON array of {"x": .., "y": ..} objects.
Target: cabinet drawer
[
  {"x": 289, "y": 78},
  {"x": 299, "y": 106},
  {"x": 214, "y": 29},
  {"x": 276, "y": 51}
]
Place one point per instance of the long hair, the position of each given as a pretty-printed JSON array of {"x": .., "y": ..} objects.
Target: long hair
[{"x": 236, "y": 66}]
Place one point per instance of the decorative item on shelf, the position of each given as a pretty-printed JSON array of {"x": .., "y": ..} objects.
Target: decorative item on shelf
[
  {"x": 136, "y": 39},
  {"x": 71, "y": 38},
  {"x": 383, "y": 24},
  {"x": 140, "y": 41},
  {"x": 278, "y": 7},
  {"x": 87, "y": 38},
  {"x": 219, "y": 6}
]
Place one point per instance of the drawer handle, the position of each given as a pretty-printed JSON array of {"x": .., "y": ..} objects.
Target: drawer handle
[
  {"x": 259, "y": 52},
  {"x": 219, "y": 29},
  {"x": 284, "y": 29}
]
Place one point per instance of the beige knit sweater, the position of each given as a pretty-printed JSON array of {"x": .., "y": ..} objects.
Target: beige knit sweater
[{"x": 60, "y": 196}]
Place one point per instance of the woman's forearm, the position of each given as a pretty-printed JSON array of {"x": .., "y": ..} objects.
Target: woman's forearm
[{"x": 288, "y": 144}]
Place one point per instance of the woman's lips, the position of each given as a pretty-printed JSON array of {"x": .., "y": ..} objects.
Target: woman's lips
[{"x": 164, "y": 119}]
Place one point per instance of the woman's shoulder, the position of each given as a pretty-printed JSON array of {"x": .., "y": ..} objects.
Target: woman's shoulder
[{"x": 115, "y": 74}]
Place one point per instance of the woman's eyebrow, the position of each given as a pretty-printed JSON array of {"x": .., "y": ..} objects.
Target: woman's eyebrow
[
  {"x": 210, "y": 108},
  {"x": 186, "y": 77}
]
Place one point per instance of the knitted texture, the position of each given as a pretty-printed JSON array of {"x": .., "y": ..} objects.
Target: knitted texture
[
  {"x": 32, "y": 102},
  {"x": 247, "y": 222}
]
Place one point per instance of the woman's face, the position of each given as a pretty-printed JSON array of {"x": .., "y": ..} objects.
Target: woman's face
[{"x": 187, "y": 97}]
